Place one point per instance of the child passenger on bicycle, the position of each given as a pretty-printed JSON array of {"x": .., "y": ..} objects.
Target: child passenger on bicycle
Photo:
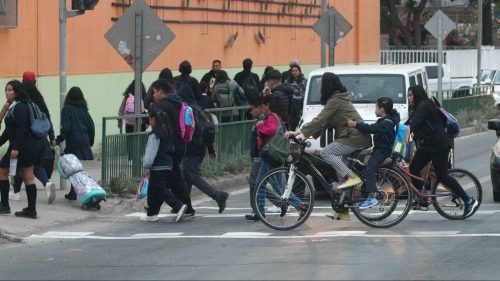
[{"x": 383, "y": 137}]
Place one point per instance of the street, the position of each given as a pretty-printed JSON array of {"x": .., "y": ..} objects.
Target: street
[{"x": 215, "y": 246}]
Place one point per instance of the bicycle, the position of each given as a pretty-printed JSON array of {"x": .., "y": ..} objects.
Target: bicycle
[
  {"x": 447, "y": 204},
  {"x": 288, "y": 186}
]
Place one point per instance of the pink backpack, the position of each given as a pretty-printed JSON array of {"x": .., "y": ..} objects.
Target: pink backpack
[
  {"x": 129, "y": 108},
  {"x": 186, "y": 122}
]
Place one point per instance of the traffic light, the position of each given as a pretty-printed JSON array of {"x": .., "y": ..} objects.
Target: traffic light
[{"x": 82, "y": 5}]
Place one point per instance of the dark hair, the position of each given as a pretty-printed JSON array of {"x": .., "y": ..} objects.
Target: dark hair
[
  {"x": 163, "y": 127},
  {"x": 131, "y": 89},
  {"x": 247, "y": 64},
  {"x": 216, "y": 60},
  {"x": 330, "y": 84},
  {"x": 166, "y": 73},
  {"x": 274, "y": 105},
  {"x": 301, "y": 76},
  {"x": 387, "y": 104},
  {"x": 185, "y": 68},
  {"x": 264, "y": 75},
  {"x": 75, "y": 97},
  {"x": 274, "y": 75},
  {"x": 203, "y": 86},
  {"x": 21, "y": 93},
  {"x": 221, "y": 76},
  {"x": 256, "y": 101},
  {"x": 162, "y": 84},
  {"x": 419, "y": 94},
  {"x": 35, "y": 96}
]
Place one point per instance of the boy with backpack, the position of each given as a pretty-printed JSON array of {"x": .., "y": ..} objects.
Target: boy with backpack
[{"x": 249, "y": 81}]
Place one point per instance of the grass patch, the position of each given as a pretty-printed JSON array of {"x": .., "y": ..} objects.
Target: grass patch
[
  {"x": 234, "y": 165},
  {"x": 479, "y": 116},
  {"x": 121, "y": 186}
]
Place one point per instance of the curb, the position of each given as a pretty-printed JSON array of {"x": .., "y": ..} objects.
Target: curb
[
  {"x": 10, "y": 237},
  {"x": 467, "y": 131}
]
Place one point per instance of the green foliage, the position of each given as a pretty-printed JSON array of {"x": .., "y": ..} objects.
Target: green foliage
[
  {"x": 479, "y": 115},
  {"x": 121, "y": 186},
  {"x": 235, "y": 165}
]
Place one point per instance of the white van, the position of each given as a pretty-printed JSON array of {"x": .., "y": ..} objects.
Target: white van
[{"x": 365, "y": 83}]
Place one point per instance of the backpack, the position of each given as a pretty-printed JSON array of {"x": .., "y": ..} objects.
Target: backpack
[
  {"x": 225, "y": 95},
  {"x": 401, "y": 146},
  {"x": 187, "y": 122},
  {"x": 40, "y": 123},
  {"x": 129, "y": 109},
  {"x": 204, "y": 133},
  {"x": 250, "y": 88},
  {"x": 239, "y": 98},
  {"x": 452, "y": 127},
  {"x": 276, "y": 150}
]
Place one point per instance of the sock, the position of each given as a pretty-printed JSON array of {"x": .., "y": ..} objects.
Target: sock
[
  {"x": 31, "y": 193},
  {"x": 4, "y": 192}
]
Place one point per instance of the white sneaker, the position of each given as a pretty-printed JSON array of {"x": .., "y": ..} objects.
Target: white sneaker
[
  {"x": 14, "y": 196},
  {"x": 273, "y": 209},
  {"x": 180, "y": 214},
  {"x": 50, "y": 191},
  {"x": 149, "y": 218}
]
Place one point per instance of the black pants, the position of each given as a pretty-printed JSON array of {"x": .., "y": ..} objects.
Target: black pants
[
  {"x": 378, "y": 156},
  {"x": 191, "y": 170},
  {"x": 160, "y": 190},
  {"x": 179, "y": 184},
  {"x": 440, "y": 164}
]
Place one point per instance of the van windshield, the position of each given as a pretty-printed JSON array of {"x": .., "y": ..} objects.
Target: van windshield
[{"x": 365, "y": 88}]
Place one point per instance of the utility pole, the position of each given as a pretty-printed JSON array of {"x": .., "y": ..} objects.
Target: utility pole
[
  {"x": 323, "y": 43},
  {"x": 479, "y": 41}
]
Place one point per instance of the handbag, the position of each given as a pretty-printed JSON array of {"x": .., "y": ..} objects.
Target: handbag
[
  {"x": 276, "y": 150},
  {"x": 142, "y": 190}
]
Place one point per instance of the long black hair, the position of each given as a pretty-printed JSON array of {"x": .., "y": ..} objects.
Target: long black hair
[
  {"x": 75, "y": 97},
  {"x": 131, "y": 89},
  {"x": 387, "y": 104},
  {"x": 330, "y": 85},
  {"x": 21, "y": 93},
  {"x": 419, "y": 94},
  {"x": 221, "y": 77},
  {"x": 35, "y": 96},
  {"x": 162, "y": 127}
]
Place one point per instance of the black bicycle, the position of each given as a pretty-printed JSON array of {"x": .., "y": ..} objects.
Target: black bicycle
[{"x": 289, "y": 189}]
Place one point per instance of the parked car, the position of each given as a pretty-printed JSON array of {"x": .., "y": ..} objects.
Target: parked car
[
  {"x": 491, "y": 76},
  {"x": 494, "y": 124},
  {"x": 456, "y": 86}
]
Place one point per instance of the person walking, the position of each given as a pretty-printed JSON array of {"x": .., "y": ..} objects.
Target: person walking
[
  {"x": 196, "y": 151},
  {"x": 158, "y": 165},
  {"x": 223, "y": 95},
  {"x": 23, "y": 148},
  {"x": 41, "y": 172},
  {"x": 167, "y": 101},
  {"x": 433, "y": 144},
  {"x": 77, "y": 129}
]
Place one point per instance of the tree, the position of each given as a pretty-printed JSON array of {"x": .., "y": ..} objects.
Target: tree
[{"x": 408, "y": 32}]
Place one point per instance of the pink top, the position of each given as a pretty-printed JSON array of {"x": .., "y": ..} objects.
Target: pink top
[{"x": 267, "y": 130}]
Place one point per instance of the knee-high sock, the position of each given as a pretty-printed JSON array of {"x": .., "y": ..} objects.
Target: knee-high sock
[
  {"x": 31, "y": 193},
  {"x": 4, "y": 193}
]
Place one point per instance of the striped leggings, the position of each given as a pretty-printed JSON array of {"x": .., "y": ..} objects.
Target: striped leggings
[{"x": 333, "y": 153}]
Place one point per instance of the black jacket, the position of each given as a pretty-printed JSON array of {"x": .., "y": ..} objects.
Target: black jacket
[
  {"x": 427, "y": 125},
  {"x": 172, "y": 104},
  {"x": 17, "y": 127},
  {"x": 240, "y": 76},
  {"x": 284, "y": 93},
  {"x": 191, "y": 81},
  {"x": 209, "y": 75},
  {"x": 383, "y": 131},
  {"x": 77, "y": 129}
]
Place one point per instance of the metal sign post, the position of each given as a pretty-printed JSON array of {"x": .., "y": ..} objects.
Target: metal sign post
[{"x": 439, "y": 26}]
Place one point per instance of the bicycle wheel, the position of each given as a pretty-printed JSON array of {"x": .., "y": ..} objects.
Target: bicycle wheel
[
  {"x": 447, "y": 203},
  {"x": 268, "y": 194},
  {"x": 394, "y": 200}
]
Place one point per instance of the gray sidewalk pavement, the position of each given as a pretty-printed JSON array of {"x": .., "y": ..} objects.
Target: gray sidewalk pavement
[{"x": 63, "y": 211}]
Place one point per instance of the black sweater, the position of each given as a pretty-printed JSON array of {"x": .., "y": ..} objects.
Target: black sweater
[
  {"x": 17, "y": 127},
  {"x": 383, "y": 131}
]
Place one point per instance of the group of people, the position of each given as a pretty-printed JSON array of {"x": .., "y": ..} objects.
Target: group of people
[{"x": 28, "y": 150}]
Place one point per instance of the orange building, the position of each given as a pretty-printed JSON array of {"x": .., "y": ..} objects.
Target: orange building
[{"x": 202, "y": 31}]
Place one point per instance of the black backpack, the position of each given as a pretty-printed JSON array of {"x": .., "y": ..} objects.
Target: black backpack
[
  {"x": 250, "y": 88},
  {"x": 204, "y": 133}
]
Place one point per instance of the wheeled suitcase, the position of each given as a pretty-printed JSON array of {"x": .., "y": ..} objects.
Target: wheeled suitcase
[{"x": 87, "y": 190}]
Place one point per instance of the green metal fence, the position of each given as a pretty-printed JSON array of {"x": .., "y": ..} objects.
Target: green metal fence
[{"x": 119, "y": 161}]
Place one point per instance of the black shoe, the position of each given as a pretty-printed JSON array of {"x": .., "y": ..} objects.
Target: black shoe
[
  {"x": 4, "y": 210},
  {"x": 189, "y": 214},
  {"x": 303, "y": 210},
  {"x": 470, "y": 206},
  {"x": 25, "y": 213},
  {"x": 70, "y": 196},
  {"x": 252, "y": 217},
  {"x": 222, "y": 201}
]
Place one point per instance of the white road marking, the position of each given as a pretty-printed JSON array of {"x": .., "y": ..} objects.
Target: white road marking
[
  {"x": 260, "y": 235},
  {"x": 69, "y": 233},
  {"x": 166, "y": 234}
]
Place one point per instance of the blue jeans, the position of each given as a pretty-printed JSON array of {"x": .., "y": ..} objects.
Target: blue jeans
[
  {"x": 377, "y": 158},
  {"x": 40, "y": 174},
  {"x": 278, "y": 188}
]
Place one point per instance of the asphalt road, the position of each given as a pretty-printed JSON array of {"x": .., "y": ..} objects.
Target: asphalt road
[{"x": 223, "y": 246}]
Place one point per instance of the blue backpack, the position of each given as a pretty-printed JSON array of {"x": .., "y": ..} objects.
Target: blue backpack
[{"x": 452, "y": 127}]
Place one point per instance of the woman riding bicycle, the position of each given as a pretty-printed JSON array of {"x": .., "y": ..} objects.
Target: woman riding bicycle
[
  {"x": 433, "y": 144},
  {"x": 336, "y": 111}
]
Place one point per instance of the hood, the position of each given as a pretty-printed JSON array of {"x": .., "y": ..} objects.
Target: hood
[
  {"x": 186, "y": 94},
  {"x": 342, "y": 96},
  {"x": 394, "y": 117}
]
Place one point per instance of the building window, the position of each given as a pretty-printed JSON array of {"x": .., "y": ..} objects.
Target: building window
[{"x": 8, "y": 13}]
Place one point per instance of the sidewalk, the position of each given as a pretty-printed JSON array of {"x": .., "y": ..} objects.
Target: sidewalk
[{"x": 63, "y": 211}]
